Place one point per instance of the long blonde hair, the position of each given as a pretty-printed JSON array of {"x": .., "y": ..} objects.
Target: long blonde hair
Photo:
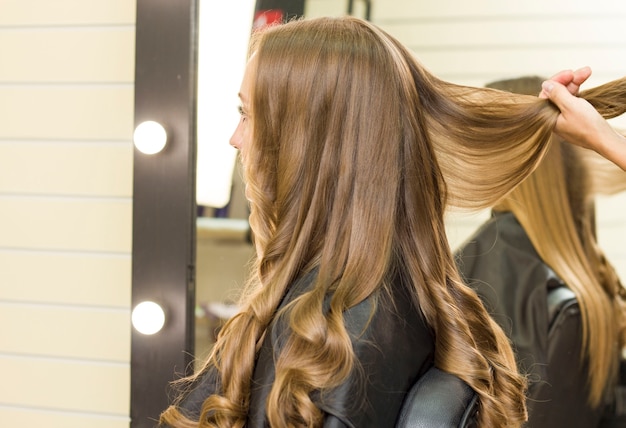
[
  {"x": 555, "y": 206},
  {"x": 352, "y": 139}
]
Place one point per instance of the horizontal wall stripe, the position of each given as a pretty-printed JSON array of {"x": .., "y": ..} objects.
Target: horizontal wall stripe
[
  {"x": 79, "y": 333},
  {"x": 67, "y": 198},
  {"x": 320, "y": 8},
  {"x": 71, "y": 224},
  {"x": 518, "y": 61},
  {"x": 105, "y": 55},
  {"x": 67, "y": 85},
  {"x": 95, "y": 362},
  {"x": 63, "y": 277},
  {"x": 46, "y": 141},
  {"x": 67, "y": 112},
  {"x": 34, "y": 417},
  {"x": 487, "y": 19},
  {"x": 39, "y": 305},
  {"x": 412, "y": 10},
  {"x": 52, "y": 251},
  {"x": 540, "y": 33},
  {"x": 480, "y": 67},
  {"x": 88, "y": 169},
  {"x": 64, "y": 27},
  {"x": 36, "y": 359},
  {"x": 67, "y": 12},
  {"x": 65, "y": 385}
]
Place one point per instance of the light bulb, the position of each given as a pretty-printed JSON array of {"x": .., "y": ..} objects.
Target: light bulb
[
  {"x": 148, "y": 317},
  {"x": 150, "y": 137}
]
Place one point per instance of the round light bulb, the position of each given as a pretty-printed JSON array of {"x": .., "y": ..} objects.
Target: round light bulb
[
  {"x": 150, "y": 137},
  {"x": 148, "y": 317}
]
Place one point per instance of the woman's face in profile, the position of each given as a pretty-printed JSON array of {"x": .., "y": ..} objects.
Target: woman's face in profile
[{"x": 241, "y": 137}]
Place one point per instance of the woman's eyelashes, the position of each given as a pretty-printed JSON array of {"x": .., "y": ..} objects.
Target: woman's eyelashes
[{"x": 242, "y": 112}]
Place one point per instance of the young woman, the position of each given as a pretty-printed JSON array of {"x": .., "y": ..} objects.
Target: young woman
[{"x": 345, "y": 140}]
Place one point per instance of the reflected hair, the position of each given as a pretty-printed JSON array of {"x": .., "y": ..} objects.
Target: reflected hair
[{"x": 555, "y": 206}]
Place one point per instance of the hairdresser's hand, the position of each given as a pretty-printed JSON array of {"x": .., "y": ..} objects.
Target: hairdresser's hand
[
  {"x": 579, "y": 122},
  {"x": 570, "y": 79}
]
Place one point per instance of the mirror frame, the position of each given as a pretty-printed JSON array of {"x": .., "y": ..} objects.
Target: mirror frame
[{"x": 164, "y": 203}]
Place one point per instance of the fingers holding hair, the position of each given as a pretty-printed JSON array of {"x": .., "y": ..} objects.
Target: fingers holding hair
[{"x": 572, "y": 80}]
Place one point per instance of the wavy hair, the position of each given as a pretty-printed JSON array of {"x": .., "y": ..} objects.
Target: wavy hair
[
  {"x": 356, "y": 151},
  {"x": 555, "y": 206}
]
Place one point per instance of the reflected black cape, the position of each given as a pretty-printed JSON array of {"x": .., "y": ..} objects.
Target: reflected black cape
[{"x": 501, "y": 264}]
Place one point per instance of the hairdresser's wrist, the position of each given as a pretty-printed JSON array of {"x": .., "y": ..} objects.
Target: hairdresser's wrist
[{"x": 613, "y": 147}]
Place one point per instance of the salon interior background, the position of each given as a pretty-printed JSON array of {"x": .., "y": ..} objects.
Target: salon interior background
[{"x": 66, "y": 165}]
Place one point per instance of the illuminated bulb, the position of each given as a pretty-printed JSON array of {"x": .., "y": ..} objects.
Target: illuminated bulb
[
  {"x": 148, "y": 317},
  {"x": 150, "y": 137}
]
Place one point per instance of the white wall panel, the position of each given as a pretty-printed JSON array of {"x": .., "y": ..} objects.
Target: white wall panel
[
  {"x": 28, "y": 417},
  {"x": 611, "y": 216},
  {"x": 89, "y": 333},
  {"x": 95, "y": 225},
  {"x": 478, "y": 67},
  {"x": 66, "y": 121},
  {"x": 28, "y": 13},
  {"x": 65, "y": 384},
  {"x": 484, "y": 32},
  {"x": 68, "y": 54},
  {"x": 88, "y": 168},
  {"x": 66, "y": 112},
  {"x": 70, "y": 278},
  {"x": 412, "y": 10}
]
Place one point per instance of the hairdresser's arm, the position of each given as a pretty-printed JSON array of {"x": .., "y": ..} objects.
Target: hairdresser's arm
[{"x": 579, "y": 123}]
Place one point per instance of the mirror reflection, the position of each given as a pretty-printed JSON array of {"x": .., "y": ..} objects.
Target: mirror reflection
[
  {"x": 224, "y": 247},
  {"x": 223, "y": 251}
]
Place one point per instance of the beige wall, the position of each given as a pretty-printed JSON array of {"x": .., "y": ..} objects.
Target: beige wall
[{"x": 66, "y": 118}]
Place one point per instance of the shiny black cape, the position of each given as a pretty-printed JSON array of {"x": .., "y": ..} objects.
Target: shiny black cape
[{"x": 393, "y": 346}]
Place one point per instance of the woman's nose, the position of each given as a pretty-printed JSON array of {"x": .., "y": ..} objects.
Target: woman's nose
[{"x": 235, "y": 140}]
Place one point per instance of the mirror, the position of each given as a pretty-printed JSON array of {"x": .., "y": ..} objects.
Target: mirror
[
  {"x": 224, "y": 249},
  {"x": 223, "y": 245}
]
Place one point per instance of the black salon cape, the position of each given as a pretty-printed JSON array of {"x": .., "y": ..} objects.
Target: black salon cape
[
  {"x": 501, "y": 264},
  {"x": 394, "y": 348}
]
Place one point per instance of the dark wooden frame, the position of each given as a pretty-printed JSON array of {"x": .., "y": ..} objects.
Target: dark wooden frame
[{"x": 164, "y": 208}]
